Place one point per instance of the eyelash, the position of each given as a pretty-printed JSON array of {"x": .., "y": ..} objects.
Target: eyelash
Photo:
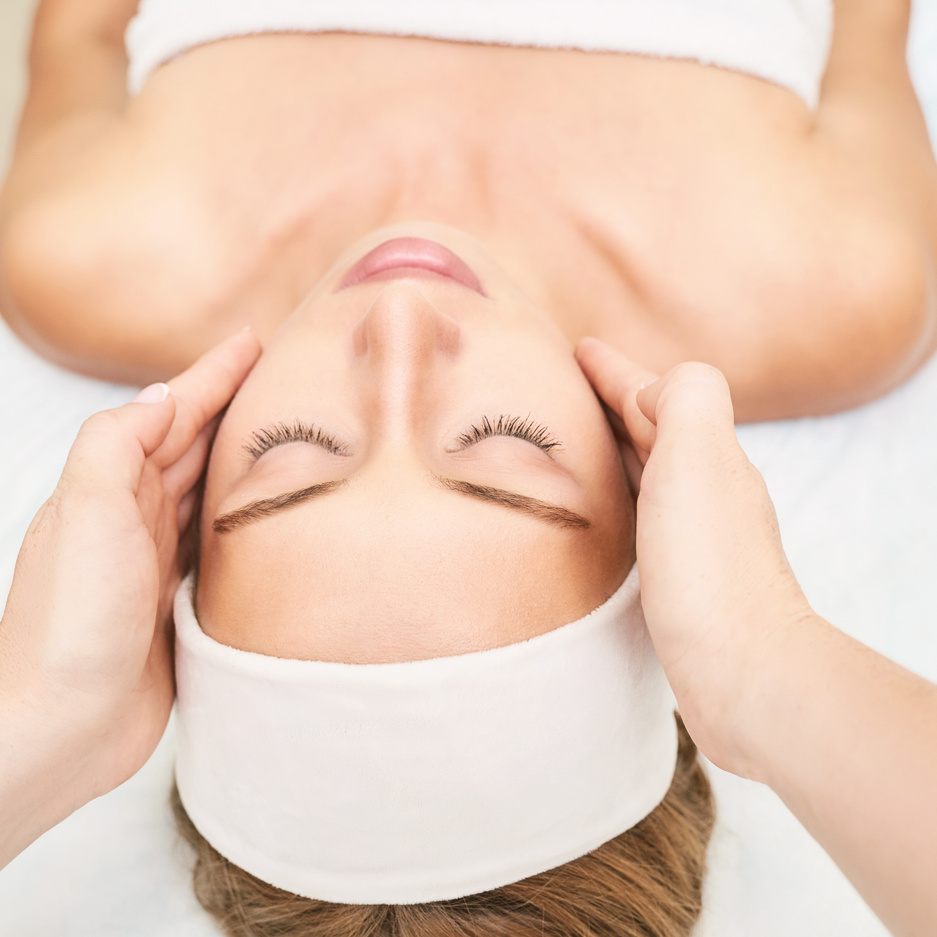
[
  {"x": 279, "y": 434},
  {"x": 521, "y": 427}
]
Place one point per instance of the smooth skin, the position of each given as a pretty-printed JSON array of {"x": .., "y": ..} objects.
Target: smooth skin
[
  {"x": 677, "y": 211},
  {"x": 391, "y": 564},
  {"x": 807, "y": 277},
  {"x": 86, "y": 680},
  {"x": 87, "y": 685},
  {"x": 767, "y": 688}
]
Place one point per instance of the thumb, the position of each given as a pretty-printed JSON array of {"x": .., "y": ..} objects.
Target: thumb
[
  {"x": 113, "y": 446},
  {"x": 691, "y": 402},
  {"x": 696, "y": 461}
]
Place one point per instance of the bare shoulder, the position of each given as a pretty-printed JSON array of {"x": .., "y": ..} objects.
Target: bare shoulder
[
  {"x": 840, "y": 256},
  {"x": 795, "y": 262},
  {"x": 845, "y": 309},
  {"x": 826, "y": 295},
  {"x": 100, "y": 269},
  {"x": 98, "y": 239},
  {"x": 872, "y": 157}
]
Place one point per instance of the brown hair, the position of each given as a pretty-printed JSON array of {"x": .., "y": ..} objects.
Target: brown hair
[{"x": 646, "y": 882}]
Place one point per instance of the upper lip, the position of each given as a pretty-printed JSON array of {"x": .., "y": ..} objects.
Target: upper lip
[{"x": 414, "y": 254}]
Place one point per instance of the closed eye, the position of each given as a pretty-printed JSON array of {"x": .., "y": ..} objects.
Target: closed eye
[
  {"x": 520, "y": 427},
  {"x": 279, "y": 434}
]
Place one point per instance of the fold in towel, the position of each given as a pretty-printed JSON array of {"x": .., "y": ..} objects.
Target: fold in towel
[{"x": 783, "y": 41}]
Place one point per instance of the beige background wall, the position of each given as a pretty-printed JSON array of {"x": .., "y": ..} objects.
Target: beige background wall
[{"x": 15, "y": 18}]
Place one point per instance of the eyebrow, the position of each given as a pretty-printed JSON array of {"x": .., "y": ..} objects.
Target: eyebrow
[
  {"x": 266, "y": 507},
  {"x": 543, "y": 510},
  {"x": 534, "y": 507}
]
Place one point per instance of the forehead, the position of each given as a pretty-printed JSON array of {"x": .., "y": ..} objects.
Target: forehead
[{"x": 350, "y": 580}]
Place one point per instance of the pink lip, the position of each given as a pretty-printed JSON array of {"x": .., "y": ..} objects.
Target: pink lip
[{"x": 403, "y": 256}]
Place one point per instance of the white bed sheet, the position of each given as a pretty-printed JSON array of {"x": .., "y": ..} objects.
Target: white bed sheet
[{"x": 856, "y": 498}]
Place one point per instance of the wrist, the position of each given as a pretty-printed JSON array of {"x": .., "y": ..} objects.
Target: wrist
[
  {"x": 783, "y": 691},
  {"x": 754, "y": 683},
  {"x": 45, "y": 766}
]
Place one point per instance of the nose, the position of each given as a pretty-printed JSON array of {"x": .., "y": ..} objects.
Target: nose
[{"x": 404, "y": 342}]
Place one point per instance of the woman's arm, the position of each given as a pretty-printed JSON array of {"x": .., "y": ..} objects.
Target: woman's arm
[
  {"x": 877, "y": 176},
  {"x": 869, "y": 112},
  {"x": 49, "y": 273},
  {"x": 86, "y": 682},
  {"x": 77, "y": 65},
  {"x": 767, "y": 689}
]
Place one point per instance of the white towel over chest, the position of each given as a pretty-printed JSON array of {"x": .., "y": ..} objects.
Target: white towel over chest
[{"x": 782, "y": 41}]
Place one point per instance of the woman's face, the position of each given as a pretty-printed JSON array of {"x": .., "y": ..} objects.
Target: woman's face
[{"x": 416, "y": 467}]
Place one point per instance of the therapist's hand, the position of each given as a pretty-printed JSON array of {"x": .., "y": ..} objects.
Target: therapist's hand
[
  {"x": 717, "y": 589},
  {"x": 767, "y": 688},
  {"x": 86, "y": 679}
]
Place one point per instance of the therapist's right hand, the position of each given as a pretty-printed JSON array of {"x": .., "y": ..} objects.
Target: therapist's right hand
[
  {"x": 86, "y": 678},
  {"x": 718, "y": 593},
  {"x": 767, "y": 688}
]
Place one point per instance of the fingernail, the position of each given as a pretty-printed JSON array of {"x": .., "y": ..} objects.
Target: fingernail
[
  {"x": 653, "y": 380},
  {"x": 155, "y": 393}
]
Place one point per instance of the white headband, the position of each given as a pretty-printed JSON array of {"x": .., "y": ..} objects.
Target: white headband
[{"x": 412, "y": 782}]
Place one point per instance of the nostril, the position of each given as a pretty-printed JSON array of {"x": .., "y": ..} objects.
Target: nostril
[{"x": 404, "y": 322}]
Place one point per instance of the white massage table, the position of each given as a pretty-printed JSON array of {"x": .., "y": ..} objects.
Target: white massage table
[{"x": 857, "y": 498}]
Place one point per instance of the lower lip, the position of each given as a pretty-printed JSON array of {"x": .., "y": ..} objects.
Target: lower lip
[{"x": 408, "y": 257}]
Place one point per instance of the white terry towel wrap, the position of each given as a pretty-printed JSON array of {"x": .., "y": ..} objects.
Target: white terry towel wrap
[
  {"x": 782, "y": 41},
  {"x": 404, "y": 783}
]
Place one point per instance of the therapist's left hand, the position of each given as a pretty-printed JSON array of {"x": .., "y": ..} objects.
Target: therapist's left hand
[{"x": 85, "y": 641}]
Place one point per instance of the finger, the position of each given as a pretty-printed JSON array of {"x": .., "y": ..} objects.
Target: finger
[
  {"x": 184, "y": 473},
  {"x": 186, "y": 510},
  {"x": 634, "y": 463},
  {"x": 205, "y": 389},
  {"x": 617, "y": 379},
  {"x": 612, "y": 374},
  {"x": 689, "y": 397},
  {"x": 112, "y": 446},
  {"x": 695, "y": 447},
  {"x": 187, "y": 519},
  {"x": 615, "y": 422},
  {"x": 633, "y": 457}
]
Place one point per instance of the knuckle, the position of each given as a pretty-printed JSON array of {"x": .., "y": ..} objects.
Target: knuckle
[
  {"x": 105, "y": 421},
  {"x": 103, "y": 442},
  {"x": 697, "y": 372},
  {"x": 697, "y": 381},
  {"x": 72, "y": 504},
  {"x": 697, "y": 392}
]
